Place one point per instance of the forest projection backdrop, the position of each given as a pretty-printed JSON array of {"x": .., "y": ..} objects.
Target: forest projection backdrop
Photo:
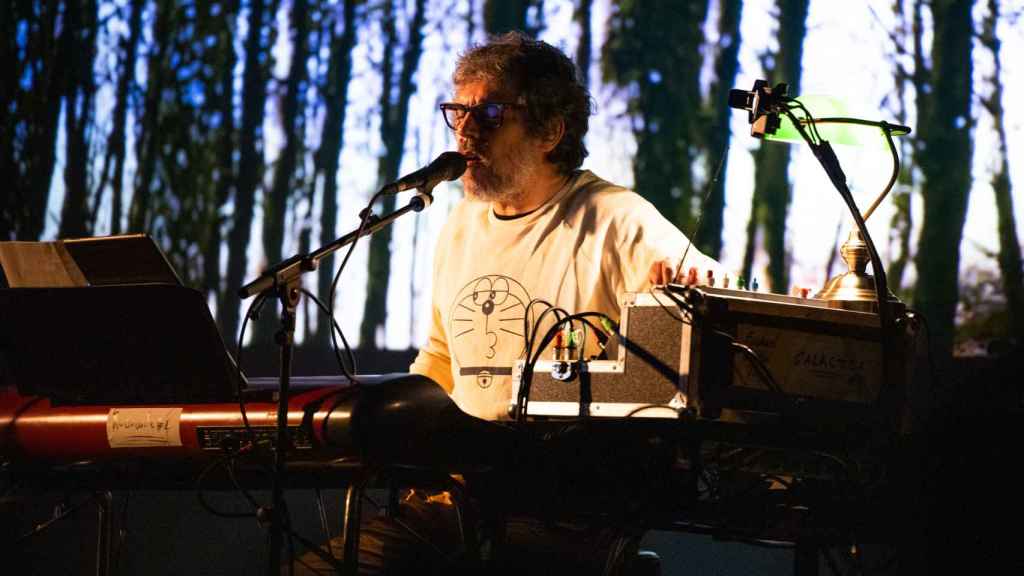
[{"x": 237, "y": 132}]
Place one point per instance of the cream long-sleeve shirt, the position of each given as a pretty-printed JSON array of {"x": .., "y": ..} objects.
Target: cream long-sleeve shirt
[{"x": 580, "y": 250}]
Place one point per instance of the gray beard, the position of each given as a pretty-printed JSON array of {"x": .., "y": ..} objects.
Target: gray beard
[{"x": 506, "y": 185}]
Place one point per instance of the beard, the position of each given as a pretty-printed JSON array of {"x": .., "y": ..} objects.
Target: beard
[{"x": 499, "y": 177}]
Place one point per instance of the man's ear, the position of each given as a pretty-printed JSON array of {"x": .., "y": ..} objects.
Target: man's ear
[{"x": 552, "y": 134}]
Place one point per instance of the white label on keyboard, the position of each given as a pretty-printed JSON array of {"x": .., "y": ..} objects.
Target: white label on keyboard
[{"x": 144, "y": 427}]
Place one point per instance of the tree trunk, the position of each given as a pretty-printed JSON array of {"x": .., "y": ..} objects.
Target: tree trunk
[
  {"x": 332, "y": 140},
  {"x": 10, "y": 69},
  {"x": 36, "y": 115},
  {"x": 945, "y": 160},
  {"x": 772, "y": 189},
  {"x": 291, "y": 126},
  {"x": 74, "y": 221},
  {"x": 585, "y": 48},
  {"x": 901, "y": 223},
  {"x": 1009, "y": 245},
  {"x": 502, "y": 16},
  {"x": 392, "y": 130},
  {"x": 225, "y": 156},
  {"x": 716, "y": 138},
  {"x": 660, "y": 66},
  {"x": 250, "y": 163},
  {"x": 149, "y": 139},
  {"x": 116, "y": 142}
]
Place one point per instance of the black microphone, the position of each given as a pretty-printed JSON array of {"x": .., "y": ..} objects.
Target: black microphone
[{"x": 447, "y": 166}]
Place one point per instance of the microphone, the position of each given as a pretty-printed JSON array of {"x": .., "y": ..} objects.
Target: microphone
[{"x": 447, "y": 166}]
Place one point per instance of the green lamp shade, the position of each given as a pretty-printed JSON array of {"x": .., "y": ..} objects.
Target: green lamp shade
[{"x": 835, "y": 124}]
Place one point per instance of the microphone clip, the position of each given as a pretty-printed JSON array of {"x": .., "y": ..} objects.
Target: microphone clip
[{"x": 763, "y": 105}]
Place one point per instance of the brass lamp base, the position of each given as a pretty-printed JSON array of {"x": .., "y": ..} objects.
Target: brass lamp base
[{"x": 854, "y": 289}]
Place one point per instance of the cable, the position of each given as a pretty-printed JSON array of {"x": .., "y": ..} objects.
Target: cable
[
  {"x": 524, "y": 387},
  {"x": 252, "y": 312},
  {"x": 700, "y": 217},
  {"x": 367, "y": 214},
  {"x": 934, "y": 372},
  {"x": 828, "y": 160},
  {"x": 559, "y": 313},
  {"x": 348, "y": 371},
  {"x": 281, "y": 516},
  {"x": 758, "y": 363},
  {"x": 681, "y": 303},
  {"x": 201, "y": 495},
  {"x": 529, "y": 332},
  {"x": 340, "y": 396},
  {"x": 643, "y": 407},
  {"x": 64, "y": 513},
  {"x": 680, "y": 319}
]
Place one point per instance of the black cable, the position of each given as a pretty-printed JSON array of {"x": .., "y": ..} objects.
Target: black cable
[
  {"x": 201, "y": 495},
  {"x": 282, "y": 516},
  {"x": 252, "y": 312},
  {"x": 643, "y": 407},
  {"x": 340, "y": 396},
  {"x": 527, "y": 332},
  {"x": 827, "y": 158},
  {"x": 769, "y": 380},
  {"x": 759, "y": 365},
  {"x": 559, "y": 314},
  {"x": 672, "y": 315},
  {"x": 64, "y": 513},
  {"x": 700, "y": 217},
  {"x": 809, "y": 119},
  {"x": 527, "y": 375},
  {"x": 527, "y": 329},
  {"x": 681, "y": 303},
  {"x": 367, "y": 215},
  {"x": 933, "y": 370},
  {"x": 238, "y": 486},
  {"x": 348, "y": 371}
]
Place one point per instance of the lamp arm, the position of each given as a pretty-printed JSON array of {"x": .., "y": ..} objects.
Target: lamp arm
[
  {"x": 827, "y": 157},
  {"x": 887, "y": 130}
]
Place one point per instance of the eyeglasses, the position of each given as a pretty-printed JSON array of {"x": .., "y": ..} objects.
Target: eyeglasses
[{"x": 487, "y": 114}]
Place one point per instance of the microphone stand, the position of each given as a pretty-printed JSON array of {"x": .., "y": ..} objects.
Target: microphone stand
[{"x": 282, "y": 280}]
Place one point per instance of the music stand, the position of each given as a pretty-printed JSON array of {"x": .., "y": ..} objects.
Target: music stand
[{"x": 132, "y": 335}]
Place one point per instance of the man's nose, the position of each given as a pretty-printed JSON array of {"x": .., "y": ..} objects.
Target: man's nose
[{"x": 468, "y": 127}]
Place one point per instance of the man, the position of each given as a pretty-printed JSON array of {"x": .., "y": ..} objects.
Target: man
[{"x": 532, "y": 226}]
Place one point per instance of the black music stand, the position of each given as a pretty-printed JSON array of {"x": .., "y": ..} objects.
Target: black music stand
[{"x": 126, "y": 332}]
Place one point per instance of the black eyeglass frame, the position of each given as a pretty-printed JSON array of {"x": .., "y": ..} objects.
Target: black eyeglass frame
[{"x": 478, "y": 111}]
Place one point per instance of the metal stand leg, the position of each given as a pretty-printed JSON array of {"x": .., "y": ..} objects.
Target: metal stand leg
[
  {"x": 104, "y": 532},
  {"x": 468, "y": 522},
  {"x": 350, "y": 528}
]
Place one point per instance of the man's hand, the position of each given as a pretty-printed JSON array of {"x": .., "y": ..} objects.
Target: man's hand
[{"x": 662, "y": 272}]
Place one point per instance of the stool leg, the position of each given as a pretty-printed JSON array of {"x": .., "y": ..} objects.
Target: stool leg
[
  {"x": 467, "y": 521},
  {"x": 104, "y": 532},
  {"x": 350, "y": 528}
]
